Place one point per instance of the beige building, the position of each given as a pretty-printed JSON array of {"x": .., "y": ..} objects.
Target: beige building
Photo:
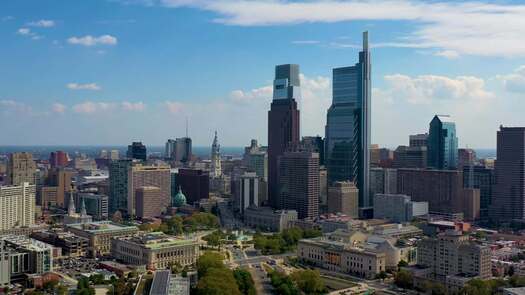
[
  {"x": 341, "y": 257},
  {"x": 343, "y": 197},
  {"x": 17, "y": 206},
  {"x": 155, "y": 250},
  {"x": 99, "y": 235},
  {"x": 267, "y": 219},
  {"x": 452, "y": 259},
  {"x": 149, "y": 202},
  {"x": 21, "y": 168},
  {"x": 140, "y": 175}
]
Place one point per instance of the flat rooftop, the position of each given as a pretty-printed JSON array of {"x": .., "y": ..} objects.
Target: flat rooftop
[
  {"x": 101, "y": 226},
  {"x": 158, "y": 240}
]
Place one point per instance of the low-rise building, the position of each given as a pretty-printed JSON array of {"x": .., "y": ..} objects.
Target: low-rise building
[
  {"x": 341, "y": 257},
  {"x": 155, "y": 250},
  {"x": 99, "y": 235},
  {"x": 398, "y": 208},
  {"x": 267, "y": 219},
  {"x": 72, "y": 245}
]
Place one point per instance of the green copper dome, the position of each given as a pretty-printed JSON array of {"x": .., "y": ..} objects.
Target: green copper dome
[{"x": 179, "y": 199}]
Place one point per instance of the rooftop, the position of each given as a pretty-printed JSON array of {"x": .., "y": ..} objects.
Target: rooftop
[
  {"x": 101, "y": 226},
  {"x": 158, "y": 240}
]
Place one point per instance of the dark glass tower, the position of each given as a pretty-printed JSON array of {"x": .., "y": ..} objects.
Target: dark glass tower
[
  {"x": 442, "y": 145},
  {"x": 348, "y": 126},
  {"x": 283, "y": 123},
  {"x": 137, "y": 150}
]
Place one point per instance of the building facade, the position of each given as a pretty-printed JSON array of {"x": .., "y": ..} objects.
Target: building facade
[
  {"x": 343, "y": 197},
  {"x": 509, "y": 192},
  {"x": 299, "y": 183},
  {"x": 215, "y": 170},
  {"x": 348, "y": 125},
  {"x": 140, "y": 175},
  {"x": 155, "y": 250},
  {"x": 267, "y": 219},
  {"x": 194, "y": 183},
  {"x": 484, "y": 179},
  {"x": 248, "y": 192},
  {"x": 442, "y": 143},
  {"x": 21, "y": 168},
  {"x": 137, "y": 150},
  {"x": 398, "y": 208},
  {"x": 118, "y": 185},
  {"x": 283, "y": 123},
  {"x": 17, "y": 206},
  {"x": 149, "y": 202}
]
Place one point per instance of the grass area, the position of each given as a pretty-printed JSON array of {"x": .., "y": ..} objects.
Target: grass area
[{"x": 333, "y": 283}]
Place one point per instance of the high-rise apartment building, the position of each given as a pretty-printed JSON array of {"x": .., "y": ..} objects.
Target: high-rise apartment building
[
  {"x": 58, "y": 159},
  {"x": 283, "y": 123},
  {"x": 21, "y": 168},
  {"x": 418, "y": 140},
  {"x": 216, "y": 170},
  {"x": 141, "y": 175},
  {"x": 118, "y": 185},
  {"x": 149, "y": 202},
  {"x": 348, "y": 125},
  {"x": 137, "y": 150},
  {"x": 17, "y": 205},
  {"x": 299, "y": 183},
  {"x": 343, "y": 197},
  {"x": 509, "y": 192},
  {"x": 484, "y": 179},
  {"x": 442, "y": 146},
  {"x": 194, "y": 183}
]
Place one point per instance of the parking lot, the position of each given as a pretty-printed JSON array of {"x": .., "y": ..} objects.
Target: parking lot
[{"x": 73, "y": 267}]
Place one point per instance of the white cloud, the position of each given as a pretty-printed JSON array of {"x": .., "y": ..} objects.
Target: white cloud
[
  {"x": 514, "y": 82},
  {"x": 265, "y": 93},
  {"x": 58, "y": 108},
  {"x": 470, "y": 27},
  {"x": 87, "y": 86},
  {"x": 89, "y": 40},
  {"x": 90, "y": 107},
  {"x": 174, "y": 107},
  {"x": 23, "y": 31},
  {"x": 9, "y": 106},
  {"x": 43, "y": 23},
  {"x": 133, "y": 106},
  {"x": 306, "y": 42},
  {"x": 427, "y": 88},
  {"x": 450, "y": 54}
]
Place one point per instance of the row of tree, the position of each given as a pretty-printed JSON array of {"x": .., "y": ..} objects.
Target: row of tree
[
  {"x": 178, "y": 225},
  {"x": 284, "y": 241},
  {"x": 216, "y": 279},
  {"x": 307, "y": 282}
]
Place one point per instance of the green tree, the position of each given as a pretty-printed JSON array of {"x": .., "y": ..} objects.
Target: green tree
[
  {"x": 402, "y": 263},
  {"x": 244, "y": 281},
  {"x": 209, "y": 260},
  {"x": 283, "y": 284},
  {"x": 382, "y": 275},
  {"x": 217, "y": 281},
  {"x": 309, "y": 281},
  {"x": 517, "y": 281},
  {"x": 403, "y": 279},
  {"x": 476, "y": 287}
]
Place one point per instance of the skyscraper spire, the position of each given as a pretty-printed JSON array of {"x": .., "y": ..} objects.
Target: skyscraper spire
[
  {"x": 216, "y": 170},
  {"x": 83, "y": 211},
  {"x": 71, "y": 210}
]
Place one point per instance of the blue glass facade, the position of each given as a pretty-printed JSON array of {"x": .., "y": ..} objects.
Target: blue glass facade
[
  {"x": 442, "y": 144},
  {"x": 348, "y": 126}
]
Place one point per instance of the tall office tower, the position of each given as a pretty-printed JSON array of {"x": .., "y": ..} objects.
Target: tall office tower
[
  {"x": 140, "y": 175},
  {"x": 482, "y": 178},
  {"x": 216, "y": 170},
  {"x": 118, "y": 185},
  {"x": 383, "y": 181},
  {"x": 169, "y": 150},
  {"x": 137, "y": 150},
  {"x": 183, "y": 151},
  {"x": 442, "y": 189},
  {"x": 17, "y": 205},
  {"x": 343, "y": 197},
  {"x": 194, "y": 183},
  {"x": 466, "y": 157},
  {"x": 61, "y": 179},
  {"x": 315, "y": 144},
  {"x": 21, "y": 168},
  {"x": 348, "y": 126},
  {"x": 149, "y": 201},
  {"x": 442, "y": 146},
  {"x": 97, "y": 205},
  {"x": 509, "y": 192},
  {"x": 410, "y": 157},
  {"x": 418, "y": 140},
  {"x": 58, "y": 159},
  {"x": 299, "y": 183},
  {"x": 248, "y": 192},
  {"x": 114, "y": 155},
  {"x": 283, "y": 123}
]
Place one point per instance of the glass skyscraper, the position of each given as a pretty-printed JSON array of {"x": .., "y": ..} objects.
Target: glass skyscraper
[
  {"x": 348, "y": 126},
  {"x": 442, "y": 145}
]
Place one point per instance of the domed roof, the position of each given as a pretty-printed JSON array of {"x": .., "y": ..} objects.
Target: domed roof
[{"x": 179, "y": 199}]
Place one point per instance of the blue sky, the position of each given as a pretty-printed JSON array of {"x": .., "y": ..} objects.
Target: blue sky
[{"x": 109, "y": 72}]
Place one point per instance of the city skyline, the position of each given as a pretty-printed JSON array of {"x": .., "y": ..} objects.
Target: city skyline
[{"x": 122, "y": 64}]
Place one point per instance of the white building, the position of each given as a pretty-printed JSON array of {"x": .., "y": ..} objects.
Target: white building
[{"x": 17, "y": 206}]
